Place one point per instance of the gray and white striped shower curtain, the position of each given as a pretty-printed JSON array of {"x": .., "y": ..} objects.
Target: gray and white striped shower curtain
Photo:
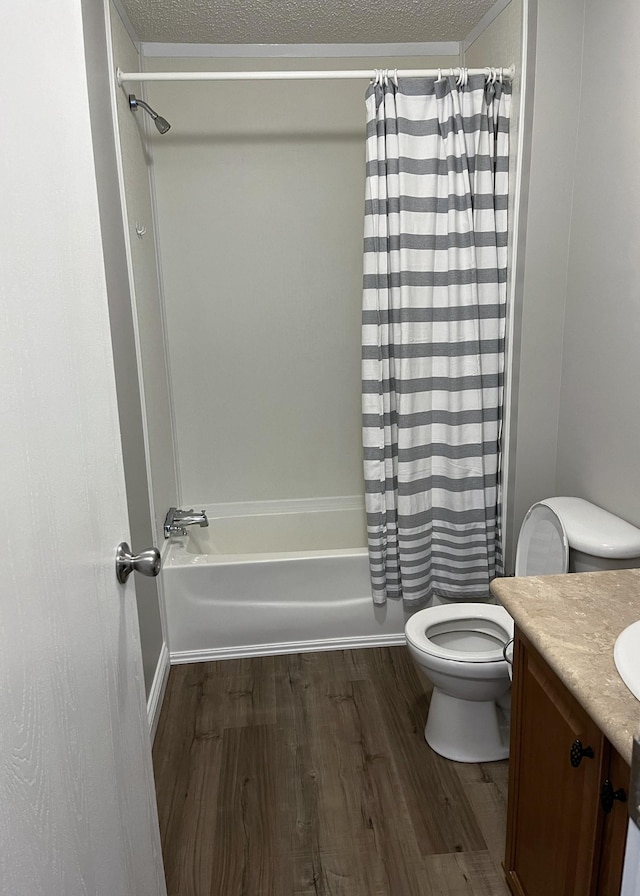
[{"x": 435, "y": 271}]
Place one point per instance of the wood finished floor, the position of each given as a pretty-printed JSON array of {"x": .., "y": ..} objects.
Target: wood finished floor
[{"x": 308, "y": 775}]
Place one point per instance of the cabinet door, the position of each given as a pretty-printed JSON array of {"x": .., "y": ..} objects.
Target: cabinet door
[
  {"x": 553, "y": 807},
  {"x": 614, "y": 830}
]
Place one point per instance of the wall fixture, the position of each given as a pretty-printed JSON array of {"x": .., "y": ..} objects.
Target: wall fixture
[{"x": 161, "y": 123}]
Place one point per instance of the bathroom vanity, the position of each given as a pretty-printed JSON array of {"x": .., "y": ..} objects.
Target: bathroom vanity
[{"x": 572, "y": 725}]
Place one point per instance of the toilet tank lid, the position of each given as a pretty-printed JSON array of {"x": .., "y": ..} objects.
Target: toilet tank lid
[{"x": 595, "y": 531}]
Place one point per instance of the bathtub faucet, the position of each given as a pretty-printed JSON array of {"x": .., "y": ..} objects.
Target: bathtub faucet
[{"x": 176, "y": 521}]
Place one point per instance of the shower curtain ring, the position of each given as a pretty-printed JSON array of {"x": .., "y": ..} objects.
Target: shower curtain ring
[{"x": 395, "y": 76}]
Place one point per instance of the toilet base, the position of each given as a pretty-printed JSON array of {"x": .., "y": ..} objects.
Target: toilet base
[{"x": 466, "y": 730}]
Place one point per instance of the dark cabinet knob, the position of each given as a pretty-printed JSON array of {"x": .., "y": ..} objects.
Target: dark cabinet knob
[
  {"x": 608, "y": 796},
  {"x": 578, "y": 752}
]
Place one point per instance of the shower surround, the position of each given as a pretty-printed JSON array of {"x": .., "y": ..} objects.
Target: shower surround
[{"x": 259, "y": 217}]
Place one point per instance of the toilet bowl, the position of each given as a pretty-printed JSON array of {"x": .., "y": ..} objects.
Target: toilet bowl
[{"x": 461, "y": 647}]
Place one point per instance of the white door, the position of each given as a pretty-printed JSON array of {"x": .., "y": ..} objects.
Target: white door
[{"x": 77, "y": 806}]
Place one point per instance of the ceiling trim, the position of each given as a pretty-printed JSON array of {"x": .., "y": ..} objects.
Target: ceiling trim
[
  {"x": 126, "y": 21},
  {"x": 489, "y": 16},
  {"x": 300, "y": 51}
]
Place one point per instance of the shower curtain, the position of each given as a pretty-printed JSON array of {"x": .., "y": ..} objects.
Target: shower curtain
[{"x": 434, "y": 299}]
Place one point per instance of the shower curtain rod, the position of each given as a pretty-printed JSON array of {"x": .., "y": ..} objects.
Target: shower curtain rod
[{"x": 125, "y": 77}]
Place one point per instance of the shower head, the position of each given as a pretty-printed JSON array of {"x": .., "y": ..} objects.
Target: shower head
[{"x": 161, "y": 123}]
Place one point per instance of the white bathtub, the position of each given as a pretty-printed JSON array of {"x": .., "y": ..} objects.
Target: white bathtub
[{"x": 274, "y": 577}]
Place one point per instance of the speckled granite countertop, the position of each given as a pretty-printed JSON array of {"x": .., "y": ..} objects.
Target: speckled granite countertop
[{"x": 574, "y": 620}]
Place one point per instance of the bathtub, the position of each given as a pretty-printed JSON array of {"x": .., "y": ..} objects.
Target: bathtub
[{"x": 274, "y": 577}]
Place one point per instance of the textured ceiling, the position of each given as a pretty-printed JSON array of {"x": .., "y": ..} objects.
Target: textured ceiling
[{"x": 304, "y": 21}]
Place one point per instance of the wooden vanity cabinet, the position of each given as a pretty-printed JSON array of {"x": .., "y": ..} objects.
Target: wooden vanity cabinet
[{"x": 560, "y": 842}]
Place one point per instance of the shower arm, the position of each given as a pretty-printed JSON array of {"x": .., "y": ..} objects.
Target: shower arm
[
  {"x": 161, "y": 123},
  {"x": 134, "y": 102}
]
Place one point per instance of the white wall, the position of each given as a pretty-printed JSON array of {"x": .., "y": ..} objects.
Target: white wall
[
  {"x": 122, "y": 331},
  {"x": 146, "y": 425},
  {"x": 580, "y": 365},
  {"x": 258, "y": 326},
  {"x": 558, "y": 55},
  {"x": 260, "y": 191},
  {"x": 599, "y": 423},
  {"x": 136, "y": 143},
  {"x": 501, "y": 44}
]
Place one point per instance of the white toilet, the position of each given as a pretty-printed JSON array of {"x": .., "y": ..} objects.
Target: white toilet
[{"x": 460, "y": 647}]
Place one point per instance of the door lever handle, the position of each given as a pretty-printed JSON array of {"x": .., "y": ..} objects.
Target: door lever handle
[{"x": 148, "y": 562}]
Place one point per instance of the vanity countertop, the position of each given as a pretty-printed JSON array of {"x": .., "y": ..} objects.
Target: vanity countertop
[{"x": 573, "y": 621}]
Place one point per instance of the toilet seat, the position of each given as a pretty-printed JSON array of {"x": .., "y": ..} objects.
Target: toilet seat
[
  {"x": 543, "y": 546},
  {"x": 485, "y": 627}
]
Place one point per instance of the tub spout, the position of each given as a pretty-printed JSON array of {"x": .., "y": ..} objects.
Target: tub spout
[
  {"x": 191, "y": 518},
  {"x": 176, "y": 521}
]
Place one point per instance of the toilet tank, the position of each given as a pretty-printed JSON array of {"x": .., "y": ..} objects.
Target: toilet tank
[{"x": 597, "y": 539}]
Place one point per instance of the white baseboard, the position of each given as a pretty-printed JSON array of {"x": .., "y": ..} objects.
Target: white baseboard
[
  {"x": 158, "y": 687},
  {"x": 228, "y": 653}
]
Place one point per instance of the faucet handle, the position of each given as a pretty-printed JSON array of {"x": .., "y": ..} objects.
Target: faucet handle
[{"x": 169, "y": 527}]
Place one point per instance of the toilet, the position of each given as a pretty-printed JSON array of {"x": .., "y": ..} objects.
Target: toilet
[{"x": 461, "y": 647}]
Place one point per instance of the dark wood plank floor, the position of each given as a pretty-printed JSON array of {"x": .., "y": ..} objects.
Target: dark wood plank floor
[{"x": 309, "y": 774}]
